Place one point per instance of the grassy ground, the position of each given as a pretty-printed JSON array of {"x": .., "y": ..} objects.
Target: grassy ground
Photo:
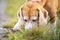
[{"x": 39, "y": 33}]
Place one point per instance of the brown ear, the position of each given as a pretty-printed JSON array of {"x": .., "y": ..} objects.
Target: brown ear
[{"x": 18, "y": 14}]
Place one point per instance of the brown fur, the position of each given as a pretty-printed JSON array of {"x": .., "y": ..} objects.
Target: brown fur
[
  {"x": 58, "y": 5},
  {"x": 52, "y": 6},
  {"x": 30, "y": 8},
  {"x": 37, "y": 9}
]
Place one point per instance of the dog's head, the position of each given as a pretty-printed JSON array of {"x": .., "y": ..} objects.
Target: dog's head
[{"x": 32, "y": 13}]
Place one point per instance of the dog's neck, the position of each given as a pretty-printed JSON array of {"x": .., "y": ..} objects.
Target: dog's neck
[{"x": 41, "y": 2}]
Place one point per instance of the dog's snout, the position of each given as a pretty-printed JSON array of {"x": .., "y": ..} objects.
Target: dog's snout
[{"x": 28, "y": 25}]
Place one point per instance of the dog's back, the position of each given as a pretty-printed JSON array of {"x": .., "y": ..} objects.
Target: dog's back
[{"x": 58, "y": 5}]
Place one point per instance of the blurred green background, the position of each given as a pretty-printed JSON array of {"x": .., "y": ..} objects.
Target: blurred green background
[
  {"x": 12, "y": 9},
  {"x": 13, "y": 6}
]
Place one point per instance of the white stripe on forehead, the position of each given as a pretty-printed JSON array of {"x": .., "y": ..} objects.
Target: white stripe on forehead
[
  {"x": 25, "y": 17},
  {"x": 34, "y": 18}
]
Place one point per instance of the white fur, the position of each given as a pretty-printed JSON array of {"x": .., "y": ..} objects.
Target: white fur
[
  {"x": 34, "y": 18},
  {"x": 18, "y": 24},
  {"x": 25, "y": 17},
  {"x": 42, "y": 19},
  {"x": 28, "y": 25}
]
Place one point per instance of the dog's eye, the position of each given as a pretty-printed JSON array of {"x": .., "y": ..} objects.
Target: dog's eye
[
  {"x": 25, "y": 20},
  {"x": 33, "y": 20}
]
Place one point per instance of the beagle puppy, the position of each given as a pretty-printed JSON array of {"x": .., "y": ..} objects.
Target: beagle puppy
[{"x": 35, "y": 12}]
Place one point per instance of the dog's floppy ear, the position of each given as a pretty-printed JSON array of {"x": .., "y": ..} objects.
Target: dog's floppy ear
[
  {"x": 43, "y": 16},
  {"x": 45, "y": 12},
  {"x": 19, "y": 14}
]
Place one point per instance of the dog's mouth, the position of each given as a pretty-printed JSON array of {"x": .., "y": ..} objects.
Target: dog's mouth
[{"x": 30, "y": 24}]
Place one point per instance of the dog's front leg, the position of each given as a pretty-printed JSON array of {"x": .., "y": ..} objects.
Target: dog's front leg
[
  {"x": 18, "y": 25},
  {"x": 20, "y": 20}
]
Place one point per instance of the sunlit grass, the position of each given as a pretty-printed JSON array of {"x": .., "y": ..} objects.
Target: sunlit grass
[{"x": 40, "y": 33}]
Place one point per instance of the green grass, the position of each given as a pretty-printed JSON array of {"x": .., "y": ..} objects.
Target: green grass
[
  {"x": 59, "y": 14},
  {"x": 39, "y": 33}
]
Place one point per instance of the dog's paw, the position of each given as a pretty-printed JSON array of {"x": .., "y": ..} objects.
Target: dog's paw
[{"x": 15, "y": 29}]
